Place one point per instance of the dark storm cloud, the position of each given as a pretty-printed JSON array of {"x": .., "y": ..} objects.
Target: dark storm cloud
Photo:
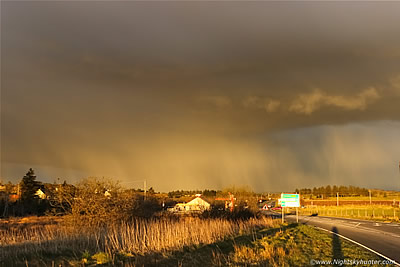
[{"x": 192, "y": 90}]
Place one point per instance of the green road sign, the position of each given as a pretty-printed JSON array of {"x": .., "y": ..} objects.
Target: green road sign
[{"x": 290, "y": 200}]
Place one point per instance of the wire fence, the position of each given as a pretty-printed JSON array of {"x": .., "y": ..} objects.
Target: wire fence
[{"x": 363, "y": 212}]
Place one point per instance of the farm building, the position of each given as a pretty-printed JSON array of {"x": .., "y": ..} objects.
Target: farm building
[{"x": 198, "y": 204}]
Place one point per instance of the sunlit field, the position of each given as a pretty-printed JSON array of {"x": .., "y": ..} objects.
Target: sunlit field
[
  {"x": 373, "y": 212},
  {"x": 291, "y": 245},
  {"x": 48, "y": 242},
  {"x": 185, "y": 241}
]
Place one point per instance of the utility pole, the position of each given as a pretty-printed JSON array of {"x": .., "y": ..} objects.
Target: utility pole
[
  {"x": 337, "y": 199},
  {"x": 144, "y": 185},
  {"x": 282, "y": 208},
  {"x": 145, "y": 188}
]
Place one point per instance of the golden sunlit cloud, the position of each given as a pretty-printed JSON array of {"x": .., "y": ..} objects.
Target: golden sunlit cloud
[{"x": 309, "y": 103}]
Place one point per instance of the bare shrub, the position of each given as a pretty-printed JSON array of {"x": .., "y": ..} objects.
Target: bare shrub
[{"x": 98, "y": 202}]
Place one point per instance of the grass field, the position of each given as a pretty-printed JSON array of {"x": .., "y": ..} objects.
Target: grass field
[
  {"x": 381, "y": 213},
  {"x": 173, "y": 242},
  {"x": 291, "y": 245},
  {"x": 47, "y": 244}
]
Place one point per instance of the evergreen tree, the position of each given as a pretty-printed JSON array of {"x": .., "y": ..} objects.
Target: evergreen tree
[{"x": 29, "y": 186}]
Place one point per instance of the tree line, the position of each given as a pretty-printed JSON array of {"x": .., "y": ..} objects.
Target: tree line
[
  {"x": 96, "y": 199},
  {"x": 182, "y": 193},
  {"x": 330, "y": 191}
]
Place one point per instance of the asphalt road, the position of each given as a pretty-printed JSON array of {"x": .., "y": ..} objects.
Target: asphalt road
[{"x": 383, "y": 238}]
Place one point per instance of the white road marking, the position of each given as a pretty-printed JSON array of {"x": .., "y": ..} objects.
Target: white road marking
[{"x": 361, "y": 245}]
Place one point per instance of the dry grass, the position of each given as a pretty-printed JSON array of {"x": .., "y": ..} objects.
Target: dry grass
[
  {"x": 17, "y": 230},
  {"x": 185, "y": 241},
  {"x": 138, "y": 237},
  {"x": 244, "y": 255}
]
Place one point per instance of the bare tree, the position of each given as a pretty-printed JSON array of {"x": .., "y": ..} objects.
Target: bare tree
[{"x": 99, "y": 201}]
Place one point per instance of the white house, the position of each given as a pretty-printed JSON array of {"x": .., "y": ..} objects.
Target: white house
[
  {"x": 107, "y": 193},
  {"x": 40, "y": 194},
  {"x": 197, "y": 204}
]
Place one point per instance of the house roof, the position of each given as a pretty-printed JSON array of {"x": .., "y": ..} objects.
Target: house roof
[{"x": 198, "y": 200}]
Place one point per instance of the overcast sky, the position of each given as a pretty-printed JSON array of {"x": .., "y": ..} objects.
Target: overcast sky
[{"x": 274, "y": 95}]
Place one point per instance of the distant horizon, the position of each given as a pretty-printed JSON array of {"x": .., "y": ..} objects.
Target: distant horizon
[{"x": 60, "y": 180}]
